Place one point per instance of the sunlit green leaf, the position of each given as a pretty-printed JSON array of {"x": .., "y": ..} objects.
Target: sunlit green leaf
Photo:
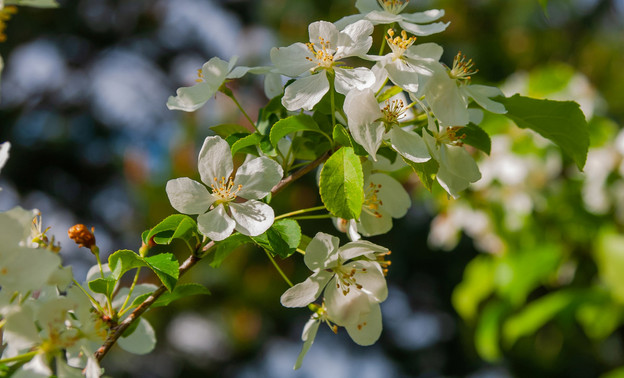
[
  {"x": 248, "y": 141},
  {"x": 222, "y": 249},
  {"x": 122, "y": 261},
  {"x": 487, "y": 334},
  {"x": 166, "y": 267},
  {"x": 477, "y": 285},
  {"x": 301, "y": 122},
  {"x": 281, "y": 239},
  {"x": 475, "y": 136},
  {"x": 341, "y": 184},
  {"x": 179, "y": 292},
  {"x": 562, "y": 122},
  {"x": 177, "y": 226},
  {"x": 426, "y": 171},
  {"x": 227, "y": 129}
]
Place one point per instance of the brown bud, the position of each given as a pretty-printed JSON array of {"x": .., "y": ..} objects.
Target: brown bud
[{"x": 82, "y": 235}]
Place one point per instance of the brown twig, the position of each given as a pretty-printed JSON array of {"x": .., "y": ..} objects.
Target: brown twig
[{"x": 118, "y": 330}]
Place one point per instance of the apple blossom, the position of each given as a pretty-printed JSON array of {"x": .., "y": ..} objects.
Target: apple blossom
[
  {"x": 310, "y": 63},
  {"x": 219, "y": 214}
]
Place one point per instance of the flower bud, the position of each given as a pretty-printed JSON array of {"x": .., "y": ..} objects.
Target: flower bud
[{"x": 82, "y": 235}]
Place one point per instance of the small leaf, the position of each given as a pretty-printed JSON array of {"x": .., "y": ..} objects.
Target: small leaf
[
  {"x": 141, "y": 341},
  {"x": 223, "y": 248},
  {"x": 104, "y": 286},
  {"x": 388, "y": 153},
  {"x": 248, "y": 141},
  {"x": 302, "y": 122},
  {"x": 122, "y": 261},
  {"x": 166, "y": 267},
  {"x": 476, "y": 137},
  {"x": 305, "y": 240},
  {"x": 341, "y": 184},
  {"x": 562, "y": 122},
  {"x": 177, "y": 226},
  {"x": 426, "y": 171},
  {"x": 227, "y": 129},
  {"x": 281, "y": 239},
  {"x": 179, "y": 292}
]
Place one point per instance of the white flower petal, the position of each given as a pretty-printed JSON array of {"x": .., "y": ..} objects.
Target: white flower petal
[
  {"x": 258, "y": 177},
  {"x": 356, "y": 78},
  {"x": 322, "y": 252},
  {"x": 291, "y": 61},
  {"x": 306, "y": 92},
  {"x": 371, "y": 225},
  {"x": 367, "y": 328},
  {"x": 457, "y": 170},
  {"x": 141, "y": 341},
  {"x": 347, "y": 20},
  {"x": 359, "y": 248},
  {"x": 273, "y": 85},
  {"x": 188, "y": 196},
  {"x": 192, "y": 98},
  {"x": 370, "y": 275},
  {"x": 304, "y": 293},
  {"x": 382, "y": 17},
  {"x": 363, "y": 114},
  {"x": 365, "y": 6},
  {"x": 445, "y": 100},
  {"x": 409, "y": 144},
  {"x": 394, "y": 198},
  {"x": 309, "y": 334},
  {"x": 215, "y": 71},
  {"x": 404, "y": 74},
  {"x": 481, "y": 94},
  {"x": 428, "y": 52},
  {"x": 423, "y": 17},
  {"x": 215, "y": 160},
  {"x": 252, "y": 217},
  {"x": 323, "y": 31},
  {"x": 423, "y": 30},
  {"x": 4, "y": 153},
  {"x": 355, "y": 39},
  {"x": 345, "y": 309},
  {"x": 216, "y": 224}
]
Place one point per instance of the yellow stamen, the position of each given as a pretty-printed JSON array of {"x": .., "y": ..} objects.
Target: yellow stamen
[
  {"x": 462, "y": 68},
  {"x": 399, "y": 45},
  {"x": 393, "y": 6},
  {"x": 322, "y": 53},
  {"x": 224, "y": 190},
  {"x": 5, "y": 15}
]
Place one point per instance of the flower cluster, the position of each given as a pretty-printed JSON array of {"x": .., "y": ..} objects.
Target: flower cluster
[{"x": 376, "y": 113}]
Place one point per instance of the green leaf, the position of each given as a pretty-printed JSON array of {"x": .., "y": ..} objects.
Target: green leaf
[
  {"x": 179, "y": 292},
  {"x": 476, "y": 286},
  {"x": 104, "y": 286},
  {"x": 562, "y": 122},
  {"x": 487, "y": 333},
  {"x": 270, "y": 114},
  {"x": 342, "y": 136},
  {"x": 475, "y": 136},
  {"x": 536, "y": 314},
  {"x": 248, "y": 141},
  {"x": 388, "y": 93},
  {"x": 166, "y": 267},
  {"x": 223, "y": 248},
  {"x": 544, "y": 4},
  {"x": 388, "y": 153},
  {"x": 281, "y": 239},
  {"x": 302, "y": 122},
  {"x": 609, "y": 255},
  {"x": 426, "y": 171},
  {"x": 177, "y": 226},
  {"x": 227, "y": 129},
  {"x": 122, "y": 261},
  {"x": 341, "y": 184}
]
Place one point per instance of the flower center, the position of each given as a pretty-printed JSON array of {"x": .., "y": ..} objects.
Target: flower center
[
  {"x": 372, "y": 201},
  {"x": 399, "y": 44},
  {"x": 449, "y": 136},
  {"x": 224, "y": 190},
  {"x": 393, "y": 111},
  {"x": 200, "y": 76},
  {"x": 322, "y": 53},
  {"x": 393, "y": 6},
  {"x": 345, "y": 279},
  {"x": 462, "y": 68}
]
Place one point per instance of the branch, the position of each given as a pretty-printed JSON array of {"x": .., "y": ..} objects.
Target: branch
[{"x": 118, "y": 330}]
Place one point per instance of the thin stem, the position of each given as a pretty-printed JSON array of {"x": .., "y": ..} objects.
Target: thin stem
[
  {"x": 118, "y": 330},
  {"x": 122, "y": 309},
  {"x": 332, "y": 100},
  {"x": 230, "y": 94},
  {"x": 22, "y": 357},
  {"x": 96, "y": 252},
  {"x": 93, "y": 301},
  {"x": 302, "y": 211},
  {"x": 322, "y": 216},
  {"x": 300, "y": 251},
  {"x": 278, "y": 268}
]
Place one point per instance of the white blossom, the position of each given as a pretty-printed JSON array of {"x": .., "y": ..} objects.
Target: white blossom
[
  {"x": 218, "y": 212},
  {"x": 389, "y": 11},
  {"x": 311, "y": 62}
]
